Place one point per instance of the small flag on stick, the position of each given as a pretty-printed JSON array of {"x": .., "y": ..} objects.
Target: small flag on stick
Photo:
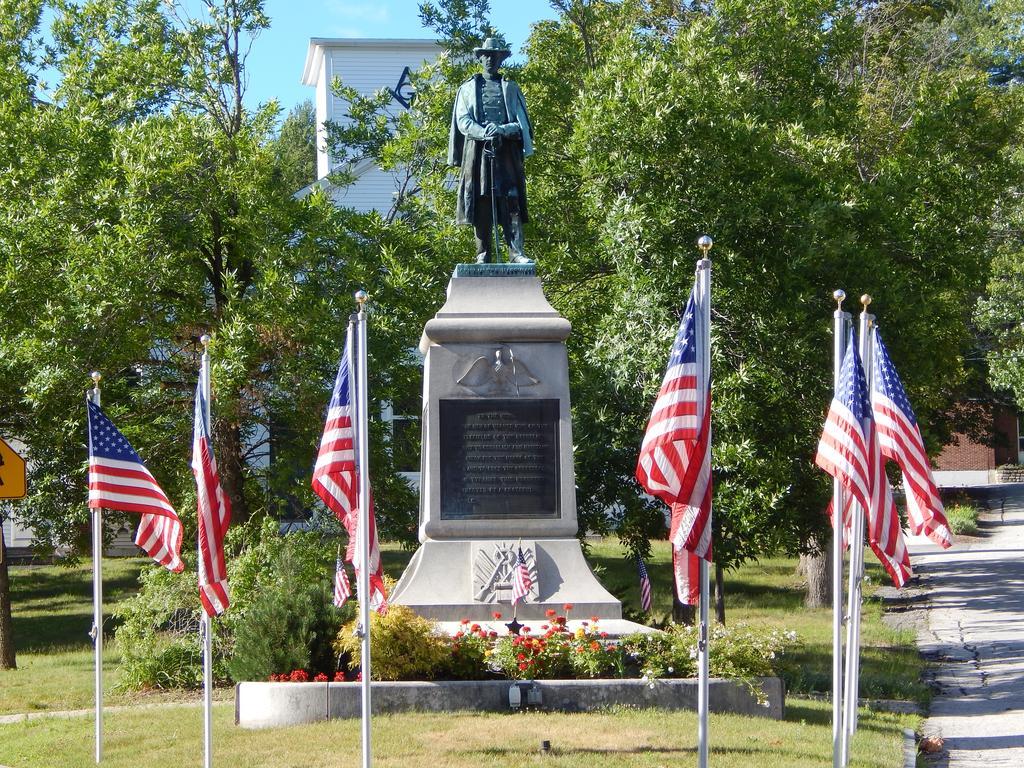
[
  {"x": 342, "y": 591},
  {"x": 119, "y": 480},
  {"x": 521, "y": 581},
  {"x": 645, "y": 586}
]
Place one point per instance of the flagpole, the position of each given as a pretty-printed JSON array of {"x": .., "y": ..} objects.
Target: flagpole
[
  {"x": 851, "y": 687},
  {"x": 97, "y": 597},
  {"x": 704, "y": 243},
  {"x": 867, "y": 355},
  {"x": 206, "y": 626},
  {"x": 363, "y": 538},
  {"x": 840, "y": 323}
]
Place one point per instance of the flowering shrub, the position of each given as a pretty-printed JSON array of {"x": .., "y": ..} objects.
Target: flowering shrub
[
  {"x": 403, "y": 646},
  {"x": 742, "y": 652},
  {"x": 470, "y": 649}
]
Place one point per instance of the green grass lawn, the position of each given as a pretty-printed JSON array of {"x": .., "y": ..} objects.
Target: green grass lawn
[
  {"x": 52, "y": 612},
  {"x": 172, "y": 737}
]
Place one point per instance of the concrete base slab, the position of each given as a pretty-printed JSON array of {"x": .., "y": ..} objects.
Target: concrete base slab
[{"x": 268, "y": 705}]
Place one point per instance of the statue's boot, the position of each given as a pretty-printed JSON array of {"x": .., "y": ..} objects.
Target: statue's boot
[
  {"x": 483, "y": 258},
  {"x": 515, "y": 242}
]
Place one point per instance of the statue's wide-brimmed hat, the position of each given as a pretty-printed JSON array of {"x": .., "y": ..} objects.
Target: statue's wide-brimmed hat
[{"x": 495, "y": 46}]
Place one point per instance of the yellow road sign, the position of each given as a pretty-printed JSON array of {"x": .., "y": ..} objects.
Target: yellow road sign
[{"x": 12, "y": 473}]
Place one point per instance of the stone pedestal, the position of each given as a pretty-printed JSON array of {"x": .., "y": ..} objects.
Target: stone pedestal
[{"x": 497, "y": 469}]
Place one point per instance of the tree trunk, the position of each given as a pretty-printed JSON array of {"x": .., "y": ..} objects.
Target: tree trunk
[
  {"x": 231, "y": 467},
  {"x": 7, "y": 660},
  {"x": 817, "y": 568},
  {"x": 720, "y": 593},
  {"x": 683, "y": 613}
]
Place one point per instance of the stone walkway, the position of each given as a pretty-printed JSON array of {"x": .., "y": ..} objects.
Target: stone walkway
[{"x": 975, "y": 631}]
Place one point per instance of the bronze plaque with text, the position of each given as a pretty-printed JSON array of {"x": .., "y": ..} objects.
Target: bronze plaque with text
[{"x": 499, "y": 459}]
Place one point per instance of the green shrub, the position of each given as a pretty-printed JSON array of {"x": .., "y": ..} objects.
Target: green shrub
[
  {"x": 279, "y": 588},
  {"x": 289, "y": 625},
  {"x": 403, "y": 646},
  {"x": 159, "y": 634},
  {"x": 963, "y": 519}
]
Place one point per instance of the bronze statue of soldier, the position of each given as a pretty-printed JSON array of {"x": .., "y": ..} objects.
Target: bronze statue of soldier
[{"x": 489, "y": 138}]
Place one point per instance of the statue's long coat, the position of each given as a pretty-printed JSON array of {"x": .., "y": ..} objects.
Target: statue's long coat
[{"x": 466, "y": 143}]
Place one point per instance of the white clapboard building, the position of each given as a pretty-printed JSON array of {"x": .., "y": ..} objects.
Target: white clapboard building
[{"x": 368, "y": 65}]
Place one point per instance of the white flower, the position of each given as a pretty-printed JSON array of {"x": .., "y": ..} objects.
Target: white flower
[
  {"x": 671, "y": 669},
  {"x": 650, "y": 685}
]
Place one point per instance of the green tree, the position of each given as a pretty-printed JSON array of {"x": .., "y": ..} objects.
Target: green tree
[
  {"x": 822, "y": 144},
  {"x": 295, "y": 147}
]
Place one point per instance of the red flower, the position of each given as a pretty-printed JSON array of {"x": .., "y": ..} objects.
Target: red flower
[
  {"x": 459, "y": 634},
  {"x": 496, "y": 615},
  {"x": 604, "y": 634},
  {"x": 464, "y": 621},
  {"x": 595, "y": 646},
  {"x": 579, "y": 649},
  {"x": 359, "y": 677},
  {"x": 550, "y": 612},
  {"x": 568, "y": 606},
  {"x": 594, "y": 619},
  {"x": 299, "y": 676},
  {"x": 611, "y": 647},
  {"x": 523, "y": 665},
  {"x": 339, "y": 677},
  {"x": 525, "y": 630},
  {"x": 520, "y": 656},
  {"x": 320, "y": 678},
  {"x": 475, "y": 628},
  {"x": 492, "y": 634}
]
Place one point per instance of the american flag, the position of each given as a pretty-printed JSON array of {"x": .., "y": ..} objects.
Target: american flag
[
  {"x": 849, "y": 451},
  {"x": 342, "y": 591},
  {"x": 645, "y": 586},
  {"x": 336, "y": 475},
  {"x": 214, "y": 513},
  {"x": 119, "y": 480},
  {"x": 675, "y": 457},
  {"x": 901, "y": 441},
  {"x": 521, "y": 581}
]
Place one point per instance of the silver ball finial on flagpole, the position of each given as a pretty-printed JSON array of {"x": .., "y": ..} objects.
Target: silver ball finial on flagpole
[
  {"x": 96, "y": 376},
  {"x": 704, "y": 242},
  {"x": 205, "y": 340},
  {"x": 361, "y": 297},
  {"x": 839, "y": 295}
]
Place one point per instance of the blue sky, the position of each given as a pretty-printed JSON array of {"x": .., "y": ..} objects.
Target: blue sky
[{"x": 275, "y": 62}]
